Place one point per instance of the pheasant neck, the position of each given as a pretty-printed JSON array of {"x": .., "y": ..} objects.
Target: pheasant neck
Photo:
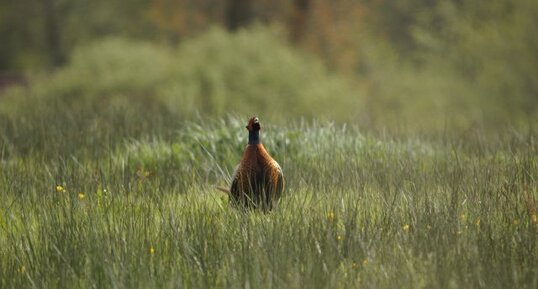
[{"x": 254, "y": 137}]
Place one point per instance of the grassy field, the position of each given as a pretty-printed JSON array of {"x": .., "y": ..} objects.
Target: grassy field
[
  {"x": 108, "y": 169},
  {"x": 124, "y": 208}
]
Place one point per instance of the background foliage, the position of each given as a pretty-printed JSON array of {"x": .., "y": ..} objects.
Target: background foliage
[{"x": 410, "y": 65}]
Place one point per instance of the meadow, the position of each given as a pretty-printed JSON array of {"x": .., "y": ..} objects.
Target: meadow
[{"x": 108, "y": 180}]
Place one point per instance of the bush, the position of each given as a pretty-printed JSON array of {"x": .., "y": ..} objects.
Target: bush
[
  {"x": 218, "y": 73},
  {"x": 118, "y": 88},
  {"x": 255, "y": 72}
]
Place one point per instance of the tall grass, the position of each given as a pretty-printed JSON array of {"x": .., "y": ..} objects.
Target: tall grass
[{"x": 359, "y": 211}]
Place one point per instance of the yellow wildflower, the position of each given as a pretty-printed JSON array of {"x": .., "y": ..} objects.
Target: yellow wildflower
[
  {"x": 141, "y": 173},
  {"x": 81, "y": 196},
  {"x": 354, "y": 265},
  {"x": 405, "y": 227},
  {"x": 60, "y": 189},
  {"x": 151, "y": 250},
  {"x": 330, "y": 216},
  {"x": 339, "y": 238},
  {"x": 22, "y": 269},
  {"x": 365, "y": 262}
]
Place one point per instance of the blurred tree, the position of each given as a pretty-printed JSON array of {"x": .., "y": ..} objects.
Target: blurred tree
[
  {"x": 181, "y": 18},
  {"x": 492, "y": 48},
  {"x": 298, "y": 20},
  {"x": 21, "y": 31},
  {"x": 238, "y": 14},
  {"x": 39, "y": 34},
  {"x": 394, "y": 20},
  {"x": 332, "y": 29},
  {"x": 51, "y": 11},
  {"x": 489, "y": 49}
]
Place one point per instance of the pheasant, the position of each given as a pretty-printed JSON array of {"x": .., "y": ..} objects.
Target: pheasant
[{"x": 258, "y": 180}]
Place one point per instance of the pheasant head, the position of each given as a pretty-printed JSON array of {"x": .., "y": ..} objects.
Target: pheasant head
[
  {"x": 254, "y": 128},
  {"x": 254, "y": 124}
]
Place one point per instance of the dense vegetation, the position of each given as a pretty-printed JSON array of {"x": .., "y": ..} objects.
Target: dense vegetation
[
  {"x": 108, "y": 168},
  {"x": 434, "y": 63},
  {"x": 406, "y": 131},
  {"x": 359, "y": 211}
]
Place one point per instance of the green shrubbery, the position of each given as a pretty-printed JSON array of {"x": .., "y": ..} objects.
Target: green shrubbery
[
  {"x": 218, "y": 73},
  {"x": 127, "y": 83},
  {"x": 255, "y": 72},
  {"x": 120, "y": 88}
]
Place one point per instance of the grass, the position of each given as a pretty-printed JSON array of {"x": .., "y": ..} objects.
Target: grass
[
  {"x": 108, "y": 170},
  {"x": 127, "y": 207}
]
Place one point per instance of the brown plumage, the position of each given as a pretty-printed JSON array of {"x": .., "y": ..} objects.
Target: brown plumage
[{"x": 257, "y": 181}]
